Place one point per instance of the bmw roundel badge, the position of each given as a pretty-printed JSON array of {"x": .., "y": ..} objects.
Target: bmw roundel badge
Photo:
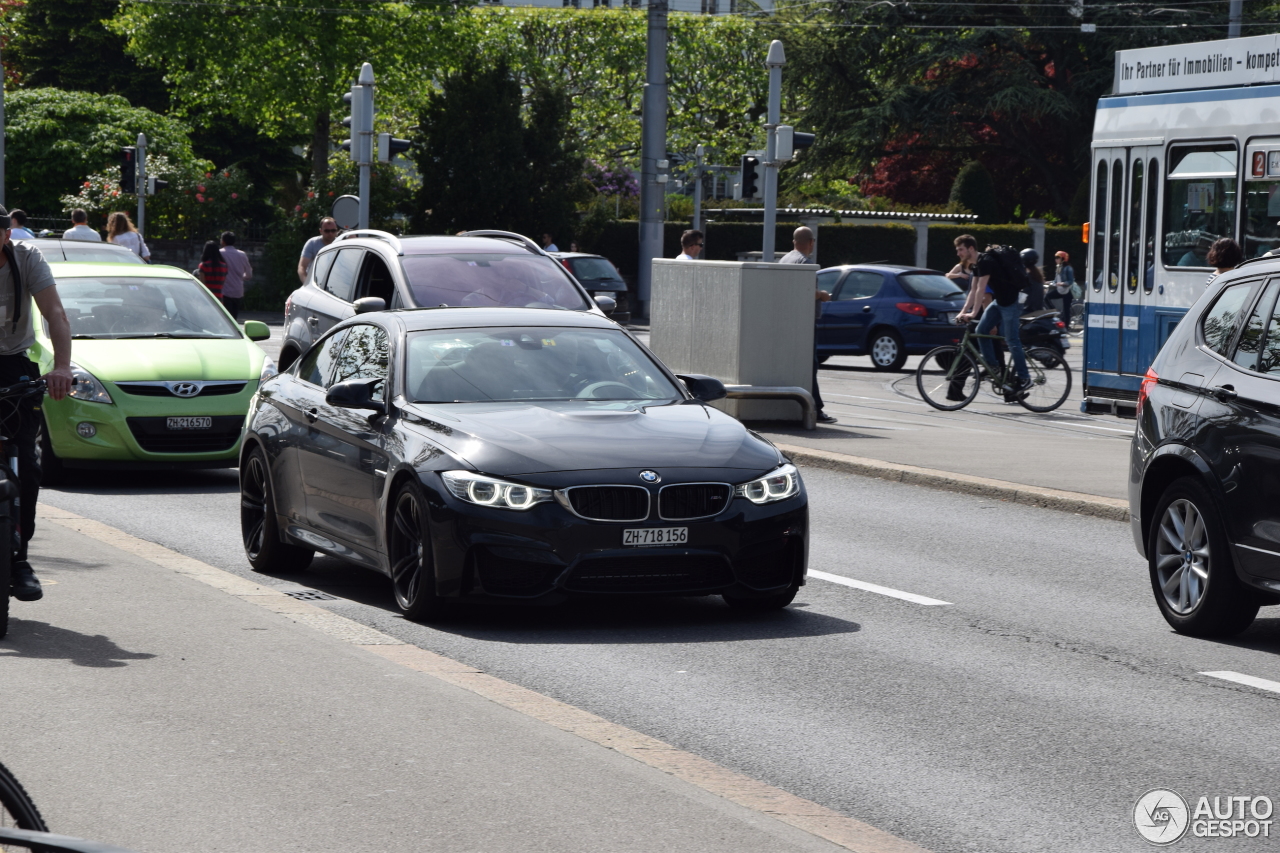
[{"x": 650, "y": 476}]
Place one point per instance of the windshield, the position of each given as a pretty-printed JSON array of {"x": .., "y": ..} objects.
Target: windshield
[
  {"x": 929, "y": 286},
  {"x": 124, "y": 307},
  {"x": 518, "y": 280},
  {"x": 528, "y": 364},
  {"x": 594, "y": 269},
  {"x": 92, "y": 253}
]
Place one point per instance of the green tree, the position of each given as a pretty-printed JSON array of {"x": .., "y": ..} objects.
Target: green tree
[
  {"x": 68, "y": 46},
  {"x": 56, "y": 139},
  {"x": 974, "y": 190}
]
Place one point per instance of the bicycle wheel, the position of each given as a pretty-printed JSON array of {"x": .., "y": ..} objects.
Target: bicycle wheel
[
  {"x": 1050, "y": 380},
  {"x": 17, "y": 811},
  {"x": 6, "y": 576},
  {"x": 1077, "y": 316},
  {"x": 947, "y": 378}
]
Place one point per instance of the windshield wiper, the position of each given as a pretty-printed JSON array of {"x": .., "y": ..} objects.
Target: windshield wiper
[{"x": 159, "y": 335}]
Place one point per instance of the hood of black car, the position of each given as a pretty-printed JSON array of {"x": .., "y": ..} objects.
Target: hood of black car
[{"x": 529, "y": 438}]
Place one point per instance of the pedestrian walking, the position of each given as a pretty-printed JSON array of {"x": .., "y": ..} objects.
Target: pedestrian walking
[
  {"x": 19, "y": 231},
  {"x": 802, "y": 243},
  {"x": 80, "y": 229},
  {"x": 691, "y": 244},
  {"x": 213, "y": 270},
  {"x": 328, "y": 233},
  {"x": 239, "y": 271},
  {"x": 1224, "y": 255},
  {"x": 122, "y": 232},
  {"x": 1064, "y": 280}
]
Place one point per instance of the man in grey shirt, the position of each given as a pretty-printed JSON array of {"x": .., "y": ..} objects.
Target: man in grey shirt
[
  {"x": 802, "y": 253},
  {"x": 328, "y": 233},
  {"x": 24, "y": 275}
]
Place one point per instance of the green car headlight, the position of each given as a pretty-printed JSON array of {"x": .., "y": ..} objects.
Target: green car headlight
[{"x": 87, "y": 386}]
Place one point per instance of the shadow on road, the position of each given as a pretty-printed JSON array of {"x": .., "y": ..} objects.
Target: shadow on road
[
  {"x": 1262, "y": 636},
  {"x": 217, "y": 481},
  {"x": 30, "y": 639},
  {"x": 790, "y": 428}
]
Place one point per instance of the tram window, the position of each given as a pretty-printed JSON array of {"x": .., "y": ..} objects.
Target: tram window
[
  {"x": 1220, "y": 321},
  {"x": 1135, "y": 226},
  {"x": 1115, "y": 223},
  {"x": 1099, "y": 230},
  {"x": 1200, "y": 202},
  {"x": 1149, "y": 249},
  {"x": 1261, "y": 218}
]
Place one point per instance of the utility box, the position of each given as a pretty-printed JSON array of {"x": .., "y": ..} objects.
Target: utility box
[{"x": 745, "y": 323}]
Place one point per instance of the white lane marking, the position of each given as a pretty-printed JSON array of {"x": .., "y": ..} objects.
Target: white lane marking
[
  {"x": 1240, "y": 678},
  {"x": 879, "y": 590},
  {"x": 1108, "y": 429}
]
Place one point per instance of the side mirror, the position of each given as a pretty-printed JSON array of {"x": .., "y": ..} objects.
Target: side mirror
[
  {"x": 356, "y": 394},
  {"x": 370, "y": 303},
  {"x": 704, "y": 388},
  {"x": 606, "y": 303},
  {"x": 256, "y": 330}
]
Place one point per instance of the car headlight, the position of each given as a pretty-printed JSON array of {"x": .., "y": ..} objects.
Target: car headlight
[
  {"x": 87, "y": 386},
  {"x": 777, "y": 485},
  {"x": 269, "y": 369},
  {"x": 486, "y": 491}
]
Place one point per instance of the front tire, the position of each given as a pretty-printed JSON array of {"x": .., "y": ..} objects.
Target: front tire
[
  {"x": 413, "y": 574},
  {"x": 1192, "y": 573},
  {"x": 948, "y": 378},
  {"x": 887, "y": 350},
  {"x": 259, "y": 530},
  {"x": 52, "y": 471}
]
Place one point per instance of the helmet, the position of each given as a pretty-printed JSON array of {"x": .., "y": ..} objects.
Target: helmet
[{"x": 1029, "y": 257}]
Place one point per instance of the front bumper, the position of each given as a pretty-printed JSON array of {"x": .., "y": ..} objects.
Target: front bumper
[{"x": 548, "y": 554}]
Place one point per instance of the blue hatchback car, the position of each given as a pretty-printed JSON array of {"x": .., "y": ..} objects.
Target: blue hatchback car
[{"x": 887, "y": 312}]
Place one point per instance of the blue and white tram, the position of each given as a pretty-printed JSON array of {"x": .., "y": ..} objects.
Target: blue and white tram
[{"x": 1186, "y": 151}]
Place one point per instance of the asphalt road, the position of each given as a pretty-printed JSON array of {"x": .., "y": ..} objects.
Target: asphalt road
[{"x": 1028, "y": 713}]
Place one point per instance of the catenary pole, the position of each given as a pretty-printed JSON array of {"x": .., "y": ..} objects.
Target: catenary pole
[
  {"x": 774, "y": 62},
  {"x": 1235, "y": 18},
  {"x": 697, "y": 189},
  {"x": 653, "y": 148}
]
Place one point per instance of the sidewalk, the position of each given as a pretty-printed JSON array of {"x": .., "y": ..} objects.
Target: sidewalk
[{"x": 151, "y": 709}]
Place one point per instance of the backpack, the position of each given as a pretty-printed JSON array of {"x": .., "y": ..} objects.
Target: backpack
[{"x": 1010, "y": 276}]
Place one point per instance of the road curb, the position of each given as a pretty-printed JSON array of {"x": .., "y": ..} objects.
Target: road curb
[{"x": 1097, "y": 506}]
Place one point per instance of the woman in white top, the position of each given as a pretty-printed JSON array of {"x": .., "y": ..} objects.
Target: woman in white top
[{"x": 121, "y": 231}]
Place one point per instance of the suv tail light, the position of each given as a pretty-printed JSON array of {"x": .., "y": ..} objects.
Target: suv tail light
[
  {"x": 1144, "y": 390},
  {"x": 913, "y": 308}
]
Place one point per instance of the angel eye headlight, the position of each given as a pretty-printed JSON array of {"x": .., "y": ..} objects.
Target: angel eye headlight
[
  {"x": 777, "y": 485},
  {"x": 488, "y": 491}
]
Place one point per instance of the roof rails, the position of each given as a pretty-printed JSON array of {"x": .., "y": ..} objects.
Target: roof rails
[
  {"x": 508, "y": 235},
  {"x": 373, "y": 234},
  {"x": 1258, "y": 258}
]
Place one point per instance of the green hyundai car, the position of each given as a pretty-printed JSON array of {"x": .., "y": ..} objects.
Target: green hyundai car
[{"x": 164, "y": 373}]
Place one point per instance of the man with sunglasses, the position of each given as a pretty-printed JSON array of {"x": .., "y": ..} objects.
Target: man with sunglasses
[
  {"x": 691, "y": 242},
  {"x": 328, "y": 233}
]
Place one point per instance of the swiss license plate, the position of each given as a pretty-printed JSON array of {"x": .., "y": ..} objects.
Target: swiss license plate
[
  {"x": 639, "y": 536},
  {"x": 190, "y": 423}
]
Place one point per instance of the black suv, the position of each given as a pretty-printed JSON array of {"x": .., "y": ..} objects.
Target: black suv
[{"x": 1204, "y": 480}]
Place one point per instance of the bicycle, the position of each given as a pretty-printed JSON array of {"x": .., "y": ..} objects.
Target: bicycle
[
  {"x": 10, "y": 496},
  {"x": 17, "y": 811},
  {"x": 949, "y": 377}
]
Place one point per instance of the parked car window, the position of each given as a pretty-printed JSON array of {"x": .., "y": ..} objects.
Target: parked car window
[
  {"x": 1251, "y": 335},
  {"x": 928, "y": 285},
  {"x": 828, "y": 279},
  {"x": 522, "y": 364},
  {"x": 365, "y": 356},
  {"x": 341, "y": 281},
  {"x": 492, "y": 279},
  {"x": 594, "y": 269},
  {"x": 323, "y": 262},
  {"x": 136, "y": 307},
  {"x": 318, "y": 363},
  {"x": 860, "y": 285},
  {"x": 1220, "y": 321}
]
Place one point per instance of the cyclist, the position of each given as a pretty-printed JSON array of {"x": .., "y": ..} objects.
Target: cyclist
[
  {"x": 1001, "y": 314},
  {"x": 24, "y": 275}
]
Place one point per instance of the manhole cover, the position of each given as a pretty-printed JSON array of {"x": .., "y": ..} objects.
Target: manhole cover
[{"x": 310, "y": 595}]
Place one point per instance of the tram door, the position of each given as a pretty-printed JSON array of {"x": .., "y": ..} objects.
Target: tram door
[{"x": 1121, "y": 255}]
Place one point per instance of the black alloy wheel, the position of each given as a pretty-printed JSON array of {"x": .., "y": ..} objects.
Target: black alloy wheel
[
  {"x": 409, "y": 553},
  {"x": 258, "y": 528},
  {"x": 887, "y": 350},
  {"x": 1192, "y": 573}
]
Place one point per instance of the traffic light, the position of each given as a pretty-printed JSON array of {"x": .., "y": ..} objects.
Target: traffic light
[
  {"x": 751, "y": 183},
  {"x": 154, "y": 185},
  {"x": 789, "y": 141},
  {"x": 360, "y": 122},
  {"x": 129, "y": 170},
  {"x": 389, "y": 146}
]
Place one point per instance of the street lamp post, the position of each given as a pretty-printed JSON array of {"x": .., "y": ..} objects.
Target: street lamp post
[
  {"x": 653, "y": 147},
  {"x": 140, "y": 183},
  {"x": 774, "y": 62}
]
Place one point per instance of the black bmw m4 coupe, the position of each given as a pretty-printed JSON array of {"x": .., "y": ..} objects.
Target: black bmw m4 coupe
[{"x": 517, "y": 455}]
